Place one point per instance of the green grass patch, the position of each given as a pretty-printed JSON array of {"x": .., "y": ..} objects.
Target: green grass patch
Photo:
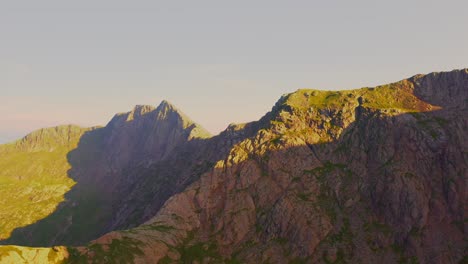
[
  {"x": 123, "y": 250},
  {"x": 304, "y": 196},
  {"x": 378, "y": 227}
]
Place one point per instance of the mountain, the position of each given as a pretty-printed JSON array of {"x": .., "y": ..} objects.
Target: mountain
[
  {"x": 68, "y": 185},
  {"x": 356, "y": 176}
]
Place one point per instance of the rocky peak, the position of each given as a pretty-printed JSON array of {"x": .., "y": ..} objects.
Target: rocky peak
[
  {"x": 147, "y": 131},
  {"x": 138, "y": 111},
  {"x": 166, "y": 106},
  {"x": 166, "y": 114},
  {"x": 167, "y": 111}
]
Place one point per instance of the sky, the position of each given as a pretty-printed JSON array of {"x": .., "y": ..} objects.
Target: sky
[{"x": 220, "y": 62}]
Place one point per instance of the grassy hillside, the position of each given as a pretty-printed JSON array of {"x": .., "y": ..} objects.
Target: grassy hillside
[
  {"x": 397, "y": 96},
  {"x": 33, "y": 176}
]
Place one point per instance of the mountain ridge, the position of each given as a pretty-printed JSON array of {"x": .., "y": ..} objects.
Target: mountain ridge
[
  {"x": 371, "y": 174},
  {"x": 144, "y": 109}
]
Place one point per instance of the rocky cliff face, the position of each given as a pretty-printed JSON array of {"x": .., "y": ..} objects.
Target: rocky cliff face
[
  {"x": 358, "y": 176},
  {"x": 362, "y": 176}
]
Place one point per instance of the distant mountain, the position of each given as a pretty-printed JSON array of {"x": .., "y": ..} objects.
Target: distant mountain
[
  {"x": 99, "y": 170},
  {"x": 373, "y": 175}
]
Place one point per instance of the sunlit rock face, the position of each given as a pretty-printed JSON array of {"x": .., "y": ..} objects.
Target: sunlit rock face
[{"x": 358, "y": 176}]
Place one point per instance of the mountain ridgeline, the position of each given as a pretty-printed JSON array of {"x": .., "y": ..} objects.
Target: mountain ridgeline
[
  {"x": 355, "y": 176},
  {"x": 112, "y": 177}
]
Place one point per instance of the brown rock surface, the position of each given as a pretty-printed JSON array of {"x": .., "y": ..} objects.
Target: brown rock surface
[{"x": 334, "y": 177}]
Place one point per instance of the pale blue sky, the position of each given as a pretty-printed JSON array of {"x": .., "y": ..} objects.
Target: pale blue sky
[{"x": 219, "y": 61}]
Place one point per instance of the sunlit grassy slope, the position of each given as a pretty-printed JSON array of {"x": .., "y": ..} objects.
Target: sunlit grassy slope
[
  {"x": 33, "y": 176},
  {"x": 397, "y": 96}
]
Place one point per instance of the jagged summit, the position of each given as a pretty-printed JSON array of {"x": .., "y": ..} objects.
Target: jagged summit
[
  {"x": 140, "y": 110},
  {"x": 137, "y": 111},
  {"x": 167, "y": 105},
  {"x": 166, "y": 114},
  {"x": 166, "y": 110}
]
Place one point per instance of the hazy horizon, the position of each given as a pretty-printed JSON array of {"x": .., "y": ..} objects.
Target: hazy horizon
[{"x": 82, "y": 62}]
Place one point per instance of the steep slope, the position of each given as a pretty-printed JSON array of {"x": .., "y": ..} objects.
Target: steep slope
[
  {"x": 69, "y": 185},
  {"x": 360, "y": 176}
]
